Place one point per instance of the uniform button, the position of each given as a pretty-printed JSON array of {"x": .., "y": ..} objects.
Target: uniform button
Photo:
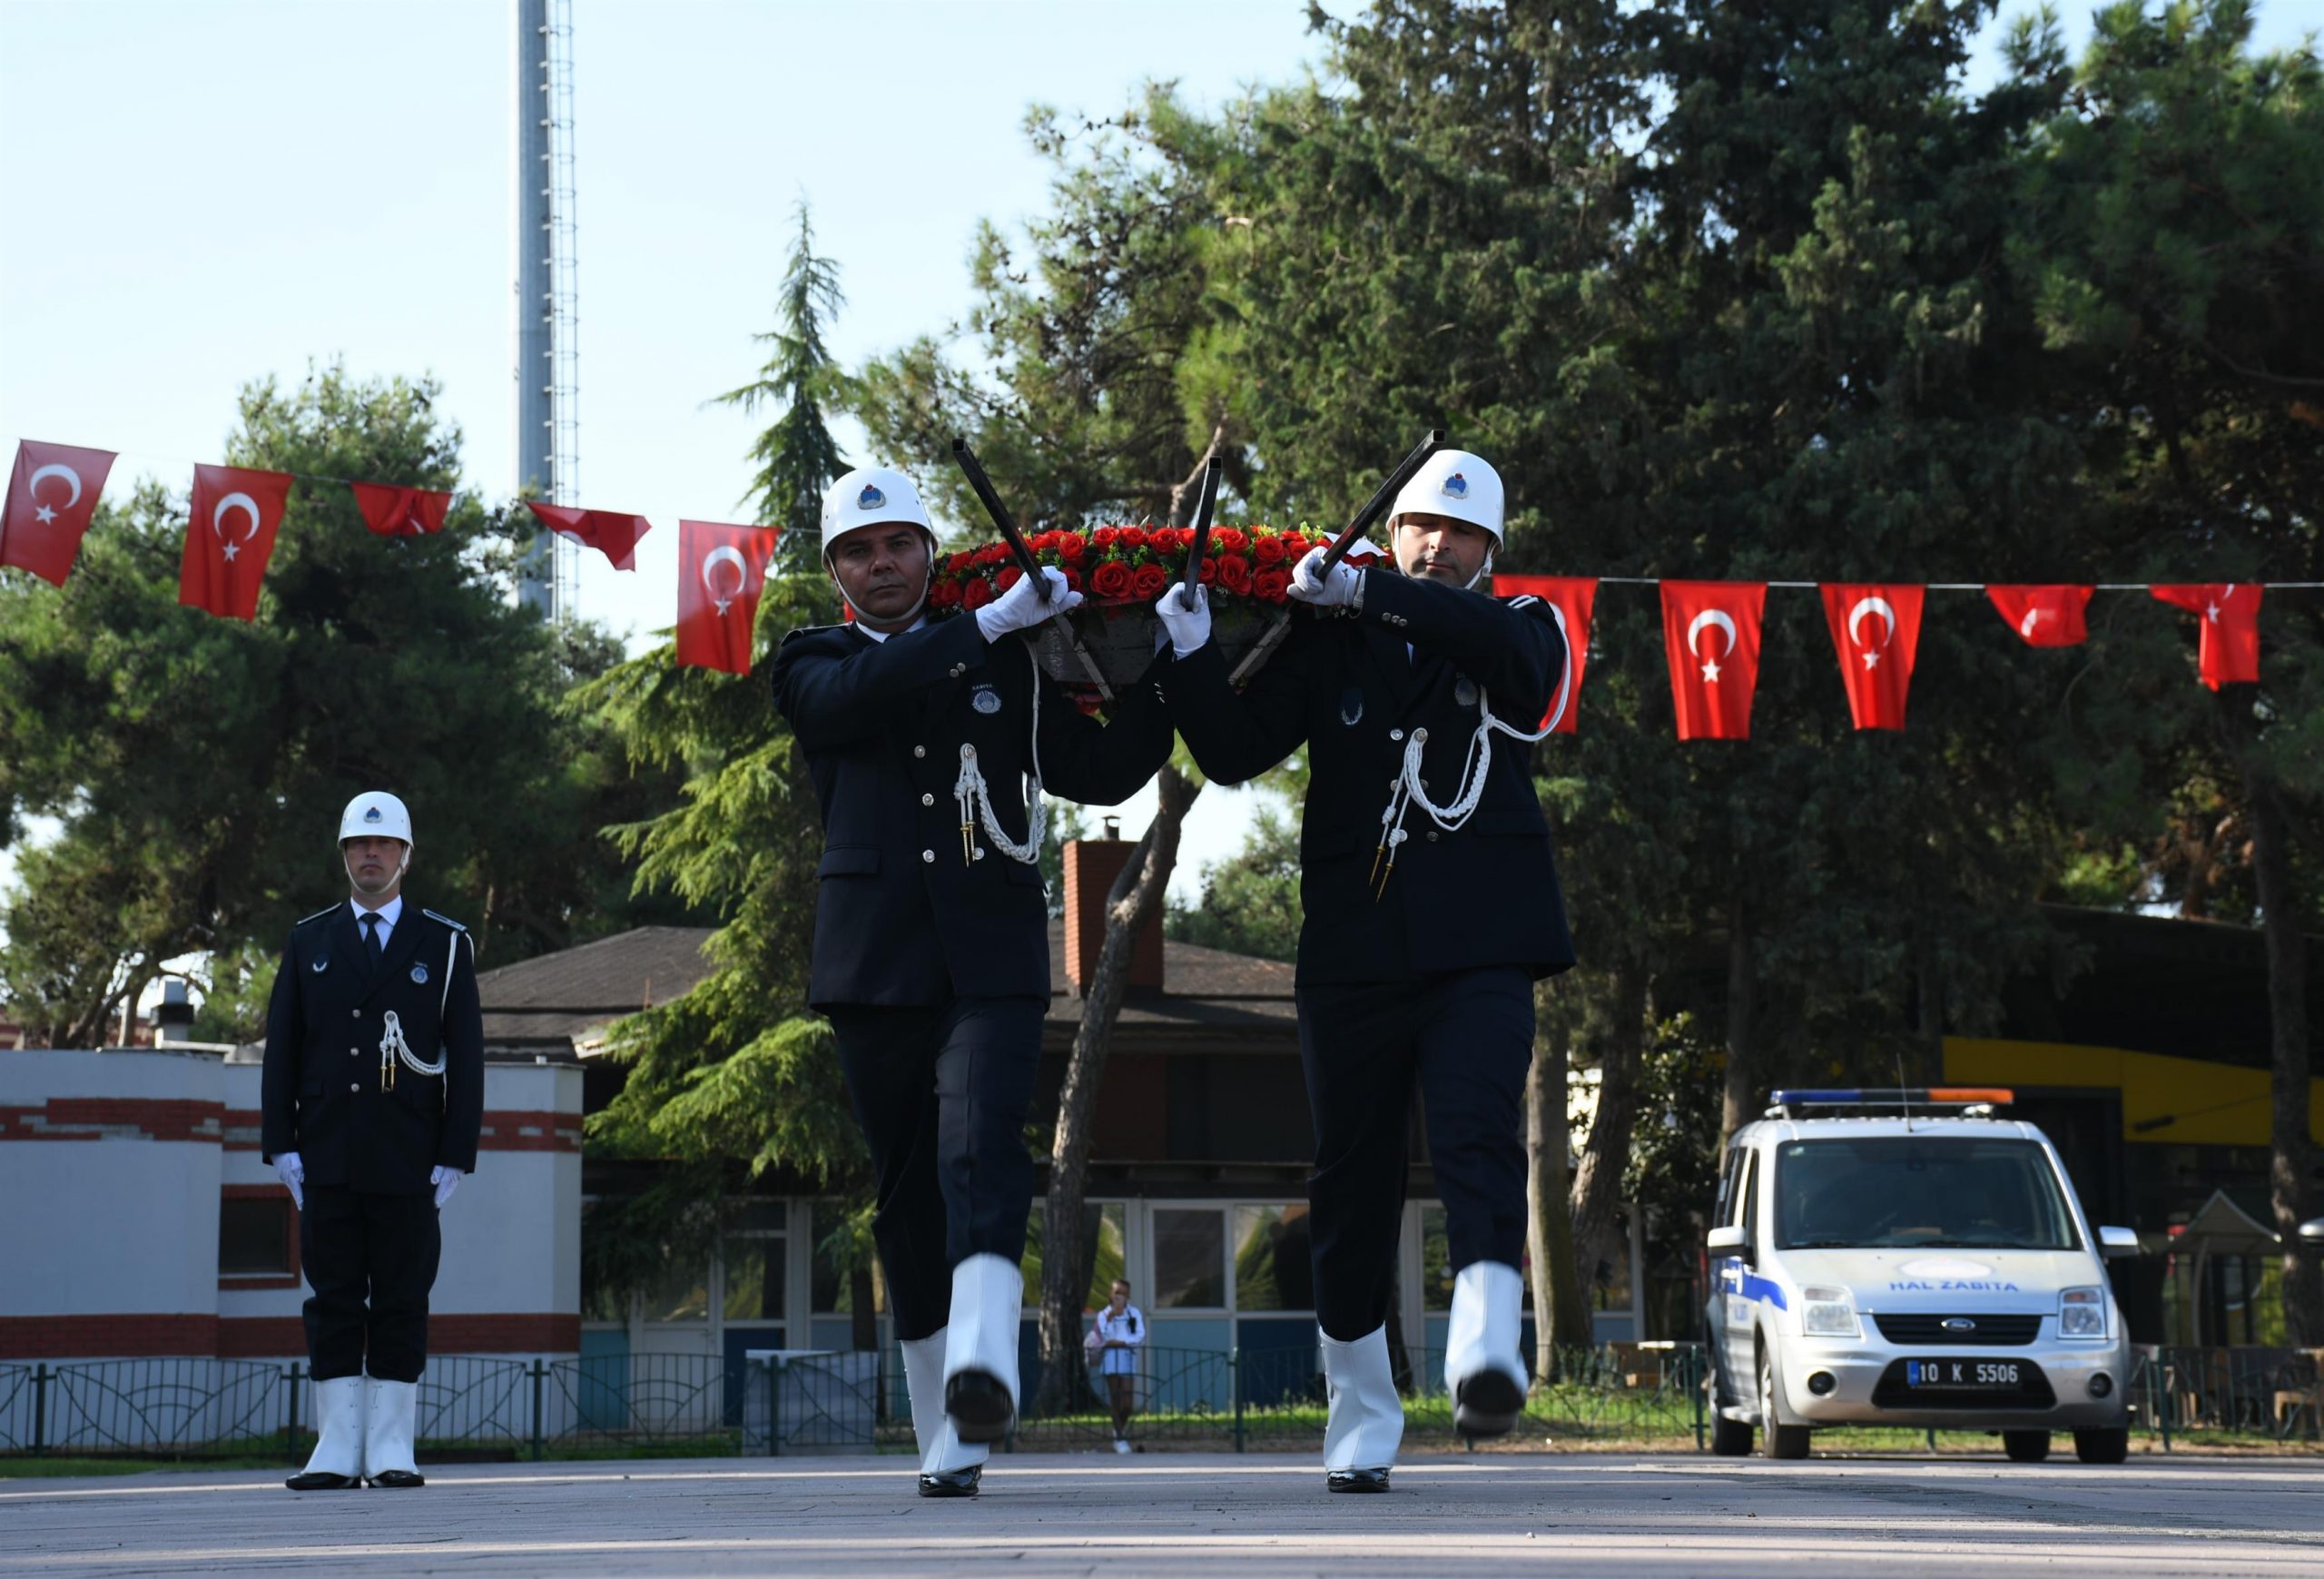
[
  {"x": 1432, "y": 835},
  {"x": 919, "y": 751},
  {"x": 1395, "y": 735},
  {"x": 929, "y": 856},
  {"x": 353, "y": 1087},
  {"x": 355, "y": 1014},
  {"x": 355, "y": 1052},
  {"x": 927, "y": 800}
]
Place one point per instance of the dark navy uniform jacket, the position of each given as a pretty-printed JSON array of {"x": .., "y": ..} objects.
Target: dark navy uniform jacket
[
  {"x": 1347, "y": 689},
  {"x": 901, "y": 917},
  {"x": 322, "y": 1092}
]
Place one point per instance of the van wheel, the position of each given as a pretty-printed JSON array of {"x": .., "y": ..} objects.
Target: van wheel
[
  {"x": 1782, "y": 1440},
  {"x": 2108, "y": 1444},
  {"x": 2025, "y": 1447},
  {"x": 1730, "y": 1438}
]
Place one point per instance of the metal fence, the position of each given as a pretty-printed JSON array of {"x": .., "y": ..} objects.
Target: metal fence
[{"x": 474, "y": 1406}]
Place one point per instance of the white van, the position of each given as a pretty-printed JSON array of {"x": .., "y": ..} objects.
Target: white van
[{"x": 1904, "y": 1258}]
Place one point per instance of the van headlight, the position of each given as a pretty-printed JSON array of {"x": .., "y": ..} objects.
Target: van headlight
[
  {"x": 1828, "y": 1313},
  {"x": 2082, "y": 1313}
]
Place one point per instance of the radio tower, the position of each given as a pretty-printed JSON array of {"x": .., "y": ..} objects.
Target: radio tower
[{"x": 547, "y": 371}]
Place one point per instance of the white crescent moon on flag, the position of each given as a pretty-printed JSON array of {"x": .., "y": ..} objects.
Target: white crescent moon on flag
[
  {"x": 2026, "y": 625},
  {"x": 725, "y": 553},
  {"x": 1878, "y": 606},
  {"x": 1718, "y": 617},
  {"x": 32, "y": 484},
  {"x": 235, "y": 501}
]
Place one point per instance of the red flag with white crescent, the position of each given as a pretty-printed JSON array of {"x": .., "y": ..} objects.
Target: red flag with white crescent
[
  {"x": 610, "y": 532},
  {"x": 236, "y": 511},
  {"x": 1711, "y": 632},
  {"x": 400, "y": 512},
  {"x": 2229, "y": 651},
  {"x": 721, "y": 570},
  {"x": 1573, "y": 597},
  {"x": 1877, "y": 631},
  {"x": 2044, "y": 616},
  {"x": 51, "y": 494}
]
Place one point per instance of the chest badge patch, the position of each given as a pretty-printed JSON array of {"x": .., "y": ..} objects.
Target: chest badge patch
[
  {"x": 985, "y": 699},
  {"x": 322, "y": 963},
  {"x": 1352, "y": 706},
  {"x": 420, "y": 974},
  {"x": 1464, "y": 691}
]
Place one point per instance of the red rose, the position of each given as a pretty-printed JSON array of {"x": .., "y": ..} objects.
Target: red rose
[
  {"x": 943, "y": 594},
  {"x": 1131, "y": 538},
  {"x": 992, "y": 553},
  {"x": 1110, "y": 580},
  {"x": 1070, "y": 547},
  {"x": 1272, "y": 585},
  {"x": 975, "y": 594},
  {"x": 1010, "y": 576},
  {"x": 1230, "y": 540},
  {"x": 955, "y": 564},
  {"x": 1209, "y": 572},
  {"x": 1146, "y": 583},
  {"x": 1072, "y": 580},
  {"x": 1104, "y": 536},
  {"x": 1235, "y": 573},
  {"x": 1041, "y": 540},
  {"x": 1293, "y": 545},
  {"x": 1267, "y": 551}
]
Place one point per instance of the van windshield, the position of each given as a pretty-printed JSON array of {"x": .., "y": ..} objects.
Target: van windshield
[{"x": 1916, "y": 1192}]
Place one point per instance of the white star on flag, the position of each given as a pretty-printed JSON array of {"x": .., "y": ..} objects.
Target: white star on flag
[
  {"x": 724, "y": 604},
  {"x": 43, "y": 515},
  {"x": 1711, "y": 670},
  {"x": 230, "y": 550},
  {"x": 1872, "y": 660},
  {"x": 2212, "y": 614}
]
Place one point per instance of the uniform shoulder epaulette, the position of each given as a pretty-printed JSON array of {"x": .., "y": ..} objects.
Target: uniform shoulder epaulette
[
  {"x": 798, "y": 631},
  {"x": 446, "y": 920},
  {"x": 1523, "y": 600},
  {"x": 303, "y": 920}
]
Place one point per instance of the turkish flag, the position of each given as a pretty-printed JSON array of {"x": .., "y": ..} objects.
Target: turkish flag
[
  {"x": 720, "y": 570},
  {"x": 230, "y": 537},
  {"x": 2045, "y": 616},
  {"x": 2228, "y": 653},
  {"x": 1877, "y": 631},
  {"x": 610, "y": 532},
  {"x": 1573, "y": 597},
  {"x": 400, "y": 512},
  {"x": 51, "y": 494},
  {"x": 1711, "y": 632}
]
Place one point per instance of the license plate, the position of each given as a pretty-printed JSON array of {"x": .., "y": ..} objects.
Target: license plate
[{"x": 1962, "y": 1375}]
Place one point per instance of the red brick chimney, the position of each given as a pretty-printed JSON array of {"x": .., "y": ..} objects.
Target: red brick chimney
[{"x": 1090, "y": 867}]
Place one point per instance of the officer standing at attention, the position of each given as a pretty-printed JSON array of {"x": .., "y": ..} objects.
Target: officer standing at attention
[
  {"x": 372, "y": 1096},
  {"x": 1427, "y": 925},
  {"x": 932, "y": 928}
]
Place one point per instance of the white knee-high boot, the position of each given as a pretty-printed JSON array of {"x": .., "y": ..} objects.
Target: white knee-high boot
[
  {"x": 1484, "y": 1369},
  {"x": 980, "y": 1348},
  {"x": 338, "y": 1428},
  {"x": 940, "y": 1448},
  {"x": 1367, "y": 1418},
  {"x": 392, "y": 1420}
]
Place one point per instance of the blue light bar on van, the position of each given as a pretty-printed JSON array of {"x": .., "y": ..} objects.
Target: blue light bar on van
[{"x": 1865, "y": 1096}]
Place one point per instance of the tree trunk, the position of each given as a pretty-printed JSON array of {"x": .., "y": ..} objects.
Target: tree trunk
[
  {"x": 1743, "y": 1098},
  {"x": 1133, "y": 902},
  {"x": 1560, "y": 1318},
  {"x": 2288, "y": 1072},
  {"x": 1597, "y": 1180}
]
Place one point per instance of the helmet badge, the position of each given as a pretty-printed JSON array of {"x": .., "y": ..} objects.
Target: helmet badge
[
  {"x": 1457, "y": 487},
  {"x": 870, "y": 498},
  {"x": 371, "y": 814}
]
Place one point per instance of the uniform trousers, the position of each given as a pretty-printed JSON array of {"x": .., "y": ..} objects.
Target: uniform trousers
[
  {"x": 1465, "y": 1040},
  {"x": 941, "y": 1093},
  {"x": 371, "y": 1262}
]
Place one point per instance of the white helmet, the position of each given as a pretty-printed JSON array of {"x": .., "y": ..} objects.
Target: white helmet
[
  {"x": 375, "y": 813},
  {"x": 1454, "y": 483},
  {"x": 871, "y": 496}
]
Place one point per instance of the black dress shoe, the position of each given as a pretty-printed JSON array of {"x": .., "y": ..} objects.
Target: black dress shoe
[
  {"x": 1356, "y": 1480},
  {"x": 1487, "y": 1404},
  {"x": 323, "y": 1480},
  {"x": 980, "y": 1406},
  {"x": 398, "y": 1479},
  {"x": 952, "y": 1481}
]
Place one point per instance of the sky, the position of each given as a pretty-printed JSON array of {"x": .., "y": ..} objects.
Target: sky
[{"x": 202, "y": 193}]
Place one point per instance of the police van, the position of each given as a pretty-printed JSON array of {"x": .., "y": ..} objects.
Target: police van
[{"x": 1906, "y": 1257}]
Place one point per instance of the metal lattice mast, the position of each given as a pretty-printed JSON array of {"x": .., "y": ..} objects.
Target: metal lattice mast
[
  {"x": 565, "y": 352},
  {"x": 546, "y": 373}
]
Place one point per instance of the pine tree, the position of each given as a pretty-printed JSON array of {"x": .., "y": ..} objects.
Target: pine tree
[{"x": 796, "y": 455}]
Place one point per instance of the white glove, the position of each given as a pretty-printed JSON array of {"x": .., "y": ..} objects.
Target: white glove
[
  {"x": 446, "y": 1181},
  {"x": 1021, "y": 609},
  {"x": 1310, "y": 584},
  {"x": 293, "y": 1174},
  {"x": 1188, "y": 624}
]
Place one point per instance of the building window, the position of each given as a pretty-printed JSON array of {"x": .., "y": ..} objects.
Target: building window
[
  {"x": 1189, "y": 1258},
  {"x": 679, "y": 1292},
  {"x": 1272, "y": 1270},
  {"x": 755, "y": 1249},
  {"x": 258, "y": 1236},
  {"x": 831, "y": 1291}
]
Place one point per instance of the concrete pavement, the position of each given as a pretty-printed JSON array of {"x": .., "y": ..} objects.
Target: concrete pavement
[{"x": 1183, "y": 1515}]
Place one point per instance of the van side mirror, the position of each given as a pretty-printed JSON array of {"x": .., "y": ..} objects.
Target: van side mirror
[
  {"x": 1729, "y": 1240},
  {"x": 2118, "y": 1242}
]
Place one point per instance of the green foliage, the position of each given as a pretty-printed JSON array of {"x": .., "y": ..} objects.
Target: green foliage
[
  {"x": 796, "y": 455},
  {"x": 196, "y": 766},
  {"x": 1250, "y": 903}
]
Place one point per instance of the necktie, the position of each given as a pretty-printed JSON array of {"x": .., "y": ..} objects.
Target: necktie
[{"x": 372, "y": 937}]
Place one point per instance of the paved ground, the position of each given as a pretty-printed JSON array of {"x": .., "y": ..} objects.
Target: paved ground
[{"x": 1181, "y": 1515}]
